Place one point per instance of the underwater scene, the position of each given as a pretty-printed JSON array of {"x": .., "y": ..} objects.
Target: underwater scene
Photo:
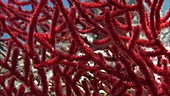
[{"x": 84, "y": 48}]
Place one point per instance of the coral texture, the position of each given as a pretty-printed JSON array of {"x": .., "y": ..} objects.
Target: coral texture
[{"x": 90, "y": 48}]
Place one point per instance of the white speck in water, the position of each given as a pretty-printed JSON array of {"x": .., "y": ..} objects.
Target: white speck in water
[{"x": 52, "y": 49}]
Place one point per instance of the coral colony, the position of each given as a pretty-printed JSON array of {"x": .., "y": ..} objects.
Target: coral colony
[{"x": 88, "y": 48}]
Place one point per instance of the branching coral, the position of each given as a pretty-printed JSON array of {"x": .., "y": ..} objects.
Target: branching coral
[{"x": 85, "y": 49}]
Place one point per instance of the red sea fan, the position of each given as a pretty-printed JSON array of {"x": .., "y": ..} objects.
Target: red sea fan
[{"x": 89, "y": 48}]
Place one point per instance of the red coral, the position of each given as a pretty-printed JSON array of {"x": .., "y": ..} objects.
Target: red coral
[{"x": 83, "y": 50}]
